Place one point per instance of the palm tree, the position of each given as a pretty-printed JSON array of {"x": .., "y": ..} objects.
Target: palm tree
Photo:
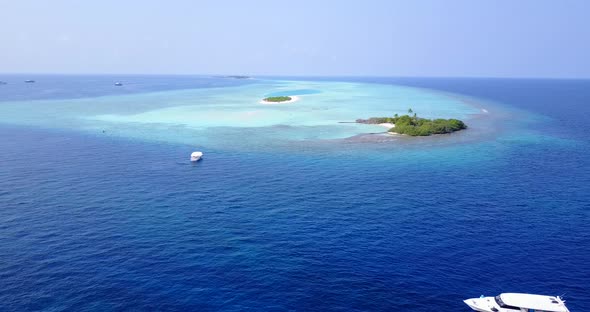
[{"x": 410, "y": 111}]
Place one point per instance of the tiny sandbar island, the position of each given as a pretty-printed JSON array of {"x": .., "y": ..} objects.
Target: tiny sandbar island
[
  {"x": 279, "y": 99},
  {"x": 416, "y": 126}
]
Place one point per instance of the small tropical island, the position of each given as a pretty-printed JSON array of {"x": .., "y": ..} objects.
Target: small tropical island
[
  {"x": 416, "y": 126},
  {"x": 279, "y": 99}
]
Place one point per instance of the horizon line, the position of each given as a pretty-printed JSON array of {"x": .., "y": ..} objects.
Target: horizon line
[{"x": 299, "y": 75}]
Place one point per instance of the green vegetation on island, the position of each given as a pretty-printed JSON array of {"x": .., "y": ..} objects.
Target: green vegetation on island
[
  {"x": 278, "y": 99},
  {"x": 416, "y": 126}
]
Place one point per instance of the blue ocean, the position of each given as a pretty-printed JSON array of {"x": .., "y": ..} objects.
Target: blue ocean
[{"x": 293, "y": 207}]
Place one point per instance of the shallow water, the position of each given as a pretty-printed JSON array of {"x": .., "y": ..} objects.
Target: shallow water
[
  {"x": 218, "y": 117},
  {"x": 298, "y": 216},
  {"x": 294, "y": 92}
]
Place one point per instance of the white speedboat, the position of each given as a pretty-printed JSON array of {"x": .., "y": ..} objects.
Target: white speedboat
[
  {"x": 196, "y": 156},
  {"x": 514, "y": 302}
]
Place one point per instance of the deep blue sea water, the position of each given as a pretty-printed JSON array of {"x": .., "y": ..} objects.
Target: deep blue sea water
[{"x": 91, "y": 223}]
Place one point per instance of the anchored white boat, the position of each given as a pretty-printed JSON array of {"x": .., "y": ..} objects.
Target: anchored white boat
[
  {"x": 196, "y": 156},
  {"x": 514, "y": 302}
]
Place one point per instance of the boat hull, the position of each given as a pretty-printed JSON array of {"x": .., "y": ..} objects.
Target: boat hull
[
  {"x": 511, "y": 302},
  {"x": 196, "y": 156},
  {"x": 480, "y": 304}
]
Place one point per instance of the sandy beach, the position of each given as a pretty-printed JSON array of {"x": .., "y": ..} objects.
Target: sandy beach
[
  {"x": 387, "y": 125},
  {"x": 293, "y": 99}
]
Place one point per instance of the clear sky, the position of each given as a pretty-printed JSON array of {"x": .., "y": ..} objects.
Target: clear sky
[{"x": 495, "y": 38}]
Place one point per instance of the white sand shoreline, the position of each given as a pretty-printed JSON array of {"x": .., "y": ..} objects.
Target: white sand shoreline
[
  {"x": 293, "y": 99},
  {"x": 387, "y": 125}
]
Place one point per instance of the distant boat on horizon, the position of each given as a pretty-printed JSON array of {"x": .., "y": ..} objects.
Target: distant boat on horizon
[
  {"x": 29, "y": 81},
  {"x": 118, "y": 84}
]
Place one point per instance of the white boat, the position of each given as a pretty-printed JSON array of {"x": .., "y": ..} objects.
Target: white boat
[
  {"x": 515, "y": 302},
  {"x": 196, "y": 156}
]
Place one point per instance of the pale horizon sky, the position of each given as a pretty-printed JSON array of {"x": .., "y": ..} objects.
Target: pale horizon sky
[{"x": 454, "y": 38}]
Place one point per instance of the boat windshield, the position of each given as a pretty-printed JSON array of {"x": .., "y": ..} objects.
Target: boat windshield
[{"x": 505, "y": 306}]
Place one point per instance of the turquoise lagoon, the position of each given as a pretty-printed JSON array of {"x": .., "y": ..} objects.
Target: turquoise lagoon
[
  {"x": 233, "y": 117},
  {"x": 294, "y": 92}
]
